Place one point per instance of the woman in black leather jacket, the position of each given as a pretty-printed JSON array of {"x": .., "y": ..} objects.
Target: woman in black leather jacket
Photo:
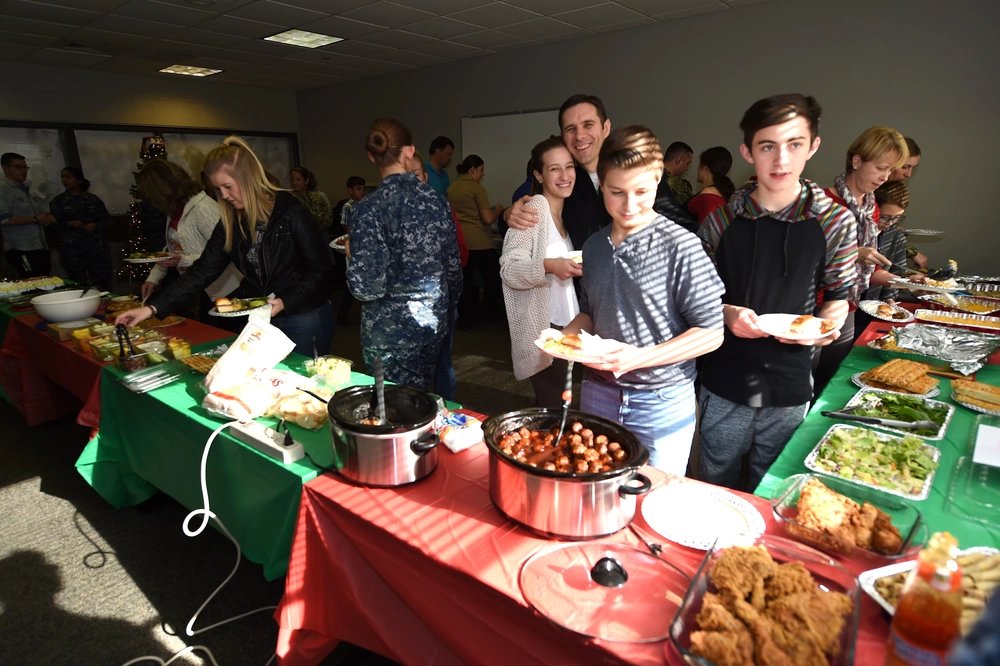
[{"x": 272, "y": 239}]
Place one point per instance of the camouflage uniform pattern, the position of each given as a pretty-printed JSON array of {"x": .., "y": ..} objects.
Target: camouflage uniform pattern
[
  {"x": 405, "y": 270},
  {"x": 681, "y": 188},
  {"x": 84, "y": 254}
]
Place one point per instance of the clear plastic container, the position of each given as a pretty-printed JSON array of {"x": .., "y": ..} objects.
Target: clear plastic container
[
  {"x": 334, "y": 370},
  {"x": 974, "y": 491}
]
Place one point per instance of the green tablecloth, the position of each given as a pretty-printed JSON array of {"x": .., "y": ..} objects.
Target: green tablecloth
[
  {"x": 155, "y": 441},
  {"x": 935, "y": 509}
]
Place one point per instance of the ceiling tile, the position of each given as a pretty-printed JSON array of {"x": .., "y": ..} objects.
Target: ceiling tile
[
  {"x": 651, "y": 7},
  {"x": 32, "y": 27},
  {"x": 624, "y": 25},
  {"x": 232, "y": 25},
  {"x": 270, "y": 48},
  {"x": 108, "y": 42},
  {"x": 254, "y": 58},
  {"x": 130, "y": 66},
  {"x": 345, "y": 28},
  {"x": 66, "y": 57},
  {"x": 328, "y": 57},
  {"x": 543, "y": 29},
  {"x": 550, "y": 7},
  {"x": 447, "y": 49},
  {"x": 442, "y": 7},
  {"x": 208, "y": 38},
  {"x": 494, "y": 15},
  {"x": 276, "y": 12},
  {"x": 45, "y": 12},
  {"x": 742, "y": 3},
  {"x": 151, "y": 10},
  {"x": 400, "y": 39},
  {"x": 327, "y": 6},
  {"x": 690, "y": 11},
  {"x": 386, "y": 13},
  {"x": 489, "y": 39},
  {"x": 594, "y": 17},
  {"x": 188, "y": 47},
  {"x": 24, "y": 39},
  {"x": 217, "y": 6},
  {"x": 441, "y": 27},
  {"x": 131, "y": 26},
  {"x": 99, "y": 6}
]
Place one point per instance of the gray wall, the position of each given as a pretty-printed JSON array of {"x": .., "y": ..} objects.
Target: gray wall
[{"x": 926, "y": 67}]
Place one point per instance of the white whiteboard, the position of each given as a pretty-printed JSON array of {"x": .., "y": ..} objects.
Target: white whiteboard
[{"x": 505, "y": 142}]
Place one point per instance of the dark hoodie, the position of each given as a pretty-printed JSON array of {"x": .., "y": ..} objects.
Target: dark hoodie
[{"x": 775, "y": 262}]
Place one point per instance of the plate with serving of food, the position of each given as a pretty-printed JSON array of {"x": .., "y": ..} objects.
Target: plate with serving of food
[
  {"x": 238, "y": 307},
  {"x": 146, "y": 257},
  {"x": 339, "y": 244},
  {"x": 582, "y": 347},
  {"x": 795, "y": 327},
  {"x": 886, "y": 311}
]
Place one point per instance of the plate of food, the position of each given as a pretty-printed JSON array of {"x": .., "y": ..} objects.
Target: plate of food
[
  {"x": 237, "y": 307},
  {"x": 888, "y": 408},
  {"x": 146, "y": 257},
  {"x": 886, "y": 311},
  {"x": 959, "y": 319},
  {"x": 970, "y": 304},
  {"x": 812, "y": 607},
  {"x": 710, "y": 515},
  {"x": 841, "y": 518},
  {"x": 339, "y": 244},
  {"x": 795, "y": 327},
  {"x": 980, "y": 573},
  {"x": 903, "y": 466},
  {"x": 899, "y": 376},
  {"x": 585, "y": 348},
  {"x": 941, "y": 286},
  {"x": 977, "y": 396}
]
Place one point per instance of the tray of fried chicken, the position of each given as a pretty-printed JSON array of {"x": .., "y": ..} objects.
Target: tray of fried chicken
[
  {"x": 775, "y": 601},
  {"x": 845, "y": 519}
]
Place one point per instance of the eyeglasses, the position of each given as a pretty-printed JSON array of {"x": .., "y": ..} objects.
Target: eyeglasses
[
  {"x": 892, "y": 219},
  {"x": 23, "y": 167}
]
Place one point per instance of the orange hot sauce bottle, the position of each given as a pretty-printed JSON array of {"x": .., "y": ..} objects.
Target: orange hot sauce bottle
[{"x": 926, "y": 622}]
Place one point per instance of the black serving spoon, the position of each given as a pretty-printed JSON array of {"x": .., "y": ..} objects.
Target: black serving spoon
[
  {"x": 567, "y": 396},
  {"x": 377, "y": 408}
]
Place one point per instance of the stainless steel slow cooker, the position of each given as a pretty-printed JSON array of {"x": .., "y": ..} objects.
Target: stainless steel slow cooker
[
  {"x": 569, "y": 506},
  {"x": 400, "y": 451}
]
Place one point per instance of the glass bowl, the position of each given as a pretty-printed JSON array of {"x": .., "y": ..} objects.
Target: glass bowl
[
  {"x": 829, "y": 576},
  {"x": 906, "y": 518}
]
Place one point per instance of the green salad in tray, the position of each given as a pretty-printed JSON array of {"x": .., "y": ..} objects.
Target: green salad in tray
[
  {"x": 901, "y": 465},
  {"x": 898, "y": 407}
]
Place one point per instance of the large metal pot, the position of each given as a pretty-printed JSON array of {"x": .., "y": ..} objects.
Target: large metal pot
[
  {"x": 570, "y": 506},
  {"x": 401, "y": 451}
]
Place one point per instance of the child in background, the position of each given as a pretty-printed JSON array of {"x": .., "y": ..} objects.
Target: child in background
[{"x": 648, "y": 285}]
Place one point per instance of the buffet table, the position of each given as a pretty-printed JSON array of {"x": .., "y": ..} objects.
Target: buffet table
[{"x": 46, "y": 379}]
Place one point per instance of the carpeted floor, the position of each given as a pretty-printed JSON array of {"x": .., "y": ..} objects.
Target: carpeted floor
[{"x": 84, "y": 583}]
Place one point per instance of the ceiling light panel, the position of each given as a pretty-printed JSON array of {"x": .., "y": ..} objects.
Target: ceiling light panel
[
  {"x": 190, "y": 70},
  {"x": 307, "y": 40}
]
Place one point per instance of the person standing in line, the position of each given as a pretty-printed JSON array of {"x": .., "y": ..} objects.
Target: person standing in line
[
  {"x": 441, "y": 150},
  {"x": 537, "y": 268},
  {"x": 84, "y": 221},
  {"x": 404, "y": 265},
  {"x": 23, "y": 221},
  {"x": 676, "y": 162},
  {"x": 341, "y": 225},
  {"x": 713, "y": 176},
  {"x": 777, "y": 243},
  {"x": 306, "y": 190},
  {"x": 904, "y": 173}
]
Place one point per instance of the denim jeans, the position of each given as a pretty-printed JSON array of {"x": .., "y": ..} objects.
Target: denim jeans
[
  {"x": 731, "y": 431},
  {"x": 311, "y": 331},
  {"x": 662, "y": 419},
  {"x": 445, "y": 381}
]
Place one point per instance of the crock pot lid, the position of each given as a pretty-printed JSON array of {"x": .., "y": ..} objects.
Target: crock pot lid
[{"x": 561, "y": 583}]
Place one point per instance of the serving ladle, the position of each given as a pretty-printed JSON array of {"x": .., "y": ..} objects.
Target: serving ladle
[
  {"x": 376, "y": 410},
  {"x": 567, "y": 396}
]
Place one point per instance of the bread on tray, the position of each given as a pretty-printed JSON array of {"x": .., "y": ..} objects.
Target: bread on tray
[
  {"x": 900, "y": 375},
  {"x": 979, "y": 394}
]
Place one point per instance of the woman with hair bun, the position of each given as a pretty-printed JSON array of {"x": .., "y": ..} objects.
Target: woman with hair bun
[
  {"x": 273, "y": 241},
  {"x": 404, "y": 266},
  {"x": 84, "y": 221},
  {"x": 716, "y": 187},
  {"x": 468, "y": 198}
]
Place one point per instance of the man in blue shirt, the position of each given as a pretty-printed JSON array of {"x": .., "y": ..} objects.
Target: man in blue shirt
[
  {"x": 440, "y": 153},
  {"x": 23, "y": 221}
]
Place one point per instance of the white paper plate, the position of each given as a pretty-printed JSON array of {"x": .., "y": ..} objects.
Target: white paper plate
[
  {"x": 777, "y": 324},
  {"x": 860, "y": 383},
  {"x": 147, "y": 260},
  {"x": 871, "y": 307},
  {"x": 594, "y": 346},
  {"x": 697, "y": 515},
  {"x": 238, "y": 313},
  {"x": 339, "y": 244}
]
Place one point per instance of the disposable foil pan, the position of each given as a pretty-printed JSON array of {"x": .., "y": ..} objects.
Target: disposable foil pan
[{"x": 965, "y": 351}]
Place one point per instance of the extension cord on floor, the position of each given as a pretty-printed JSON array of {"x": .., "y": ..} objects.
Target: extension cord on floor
[{"x": 268, "y": 441}]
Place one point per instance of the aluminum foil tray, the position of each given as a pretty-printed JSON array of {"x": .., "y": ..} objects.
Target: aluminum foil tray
[
  {"x": 965, "y": 351},
  {"x": 949, "y": 412},
  {"x": 979, "y": 321}
]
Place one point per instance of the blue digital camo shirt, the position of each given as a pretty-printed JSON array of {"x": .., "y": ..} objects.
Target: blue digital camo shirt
[{"x": 404, "y": 265}]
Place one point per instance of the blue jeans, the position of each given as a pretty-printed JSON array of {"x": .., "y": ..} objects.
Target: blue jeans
[
  {"x": 445, "y": 381},
  {"x": 662, "y": 419},
  {"x": 311, "y": 331},
  {"x": 731, "y": 431}
]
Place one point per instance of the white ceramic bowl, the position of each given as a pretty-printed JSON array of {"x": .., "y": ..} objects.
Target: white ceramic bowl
[{"x": 67, "y": 305}]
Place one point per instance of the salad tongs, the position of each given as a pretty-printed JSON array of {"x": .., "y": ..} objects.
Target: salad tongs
[{"x": 874, "y": 420}]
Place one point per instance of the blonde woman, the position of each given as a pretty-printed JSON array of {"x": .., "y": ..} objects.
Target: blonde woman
[
  {"x": 274, "y": 242},
  {"x": 537, "y": 273}
]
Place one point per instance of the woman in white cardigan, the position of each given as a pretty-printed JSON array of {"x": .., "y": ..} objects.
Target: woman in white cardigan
[
  {"x": 191, "y": 219},
  {"x": 537, "y": 268}
]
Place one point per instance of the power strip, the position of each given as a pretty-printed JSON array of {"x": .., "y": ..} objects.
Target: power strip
[{"x": 268, "y": 441}]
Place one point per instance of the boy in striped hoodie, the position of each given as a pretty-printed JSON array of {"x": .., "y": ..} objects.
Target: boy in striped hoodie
[{"x": 778, "y": 242}]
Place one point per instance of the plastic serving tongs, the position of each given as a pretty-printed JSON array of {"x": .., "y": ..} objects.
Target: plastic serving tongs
[{"x": 889, "y": 423}]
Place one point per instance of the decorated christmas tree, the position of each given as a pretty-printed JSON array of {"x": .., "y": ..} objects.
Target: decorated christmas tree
[{"x": 146, "y": 224}]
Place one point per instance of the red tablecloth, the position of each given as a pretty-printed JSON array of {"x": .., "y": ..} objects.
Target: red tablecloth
[
  {"x": 47, "y": 379},
  {"x": 428, "y": 574}
]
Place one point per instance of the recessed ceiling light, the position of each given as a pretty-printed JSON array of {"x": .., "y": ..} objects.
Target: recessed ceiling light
[
  {"x": 190, "y": 70},
  {"x": 309, "y": 40}
]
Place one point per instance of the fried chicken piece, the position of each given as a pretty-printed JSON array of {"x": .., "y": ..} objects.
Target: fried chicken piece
[
  {"x": 885, "y": 537},
  {"x": 739, "y": 570},
  {"x": 767, "y": 652},
  {"x": 863, "y": 523},
  {"x": 830, "y": 513},
  {"x": 724, "y": 639},
  {"x": 809, "y": 623},
  {"x": 789, "y": 578}
]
